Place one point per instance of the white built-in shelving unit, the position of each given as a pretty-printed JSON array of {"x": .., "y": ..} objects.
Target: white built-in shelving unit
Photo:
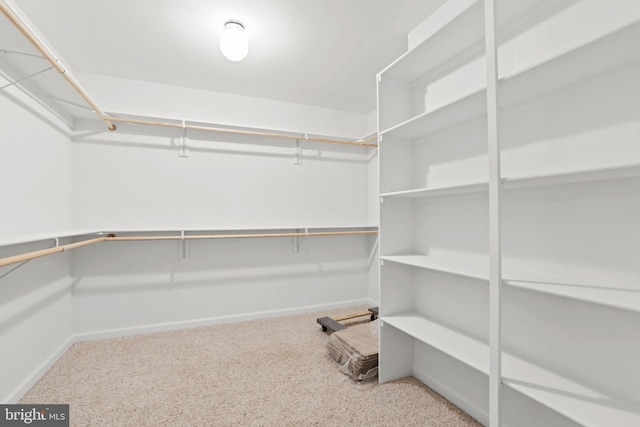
[{"x": 564, "y": 341}]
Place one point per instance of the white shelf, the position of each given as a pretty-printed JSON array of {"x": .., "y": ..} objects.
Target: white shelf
[
  {"x": 575, "y": 401},
  {"x": 571, "y": 67},
  {"x": 464, "y": 266},
  {"x": 458, "y": 32},
  {"x": 461, "y": 347},
  {"x": 599, "y": 174},
  {"x": 37, "y": 237},
  {"x": 528, "y": 181},
  {"x": 232, "y": 229},
  {"x": 536, "y": 80},
  {"x": 421, "y": 98},
  {"x": 470, "y": 107},
  {"x": 439, "y": 191},
  {"x": 455, "y": 32},
  {"x": 623, "y": 298}
]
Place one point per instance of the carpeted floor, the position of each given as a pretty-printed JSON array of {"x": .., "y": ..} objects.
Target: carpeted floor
[{"x": 270, "y": 372}]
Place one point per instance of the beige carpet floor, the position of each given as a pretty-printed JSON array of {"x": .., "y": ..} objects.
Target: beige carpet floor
[{"x": 270, "y": 372}]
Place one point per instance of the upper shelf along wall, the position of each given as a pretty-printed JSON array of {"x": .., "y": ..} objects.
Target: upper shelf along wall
[{"x": 441, "y": 81}]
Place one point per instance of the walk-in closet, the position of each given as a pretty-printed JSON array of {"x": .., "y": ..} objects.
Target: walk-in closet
[{"x": 189, "y": 187}]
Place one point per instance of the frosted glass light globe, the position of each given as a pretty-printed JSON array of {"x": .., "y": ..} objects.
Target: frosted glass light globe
[{"x": 233, "y": 42}]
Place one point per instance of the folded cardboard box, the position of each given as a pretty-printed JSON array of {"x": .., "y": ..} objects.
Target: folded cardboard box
[{"x": 355, "y": 350}]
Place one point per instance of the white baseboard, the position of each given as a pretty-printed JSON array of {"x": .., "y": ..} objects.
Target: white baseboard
[
  {"x": 170, "y": 326},
  {"x": 39, "y": 372},
  {"x": 479, "y": 414}
]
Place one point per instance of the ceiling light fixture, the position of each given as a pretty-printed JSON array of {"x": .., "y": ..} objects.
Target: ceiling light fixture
[{"x": 233, "y": 41}]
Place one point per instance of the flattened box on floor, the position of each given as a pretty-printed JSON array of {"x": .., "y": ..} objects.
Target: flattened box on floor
[{"x": 355, "y": 350}]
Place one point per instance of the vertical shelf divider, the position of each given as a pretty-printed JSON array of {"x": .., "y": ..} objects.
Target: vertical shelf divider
[{"x": 495, "y": 192}]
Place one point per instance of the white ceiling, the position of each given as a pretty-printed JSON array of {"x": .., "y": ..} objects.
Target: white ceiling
[{"x": 316, "y": 52}]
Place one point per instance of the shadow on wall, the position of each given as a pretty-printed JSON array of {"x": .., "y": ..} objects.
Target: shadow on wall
[
  {"x": 40, "y": 115},
  {"x": 220, "y": 278},
  {"x": 164, "y": 257},
  {"x": 17, "y": 311},
  {"x": 591, "y": 343},
  {"x": 534, "y": 17},
  {"x": 241, "y": 260},
  {"x": 516, "y": 404},
  {"x": 18, "y": 281},
  {"x": 137, "y": 284},
  {"x": 599, "y": 102}
]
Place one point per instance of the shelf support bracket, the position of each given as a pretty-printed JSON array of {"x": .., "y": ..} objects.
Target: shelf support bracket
[
  {"x": 297, "y": 240},
  {"x": 184, "y": 246},
  {"x": 183, "y": 144},
  {"x": 296, "y": 243},
  {"x": 297, "y": 152}
]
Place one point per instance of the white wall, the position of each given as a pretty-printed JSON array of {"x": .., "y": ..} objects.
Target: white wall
[
  {"x": 146, "y": 286},
  {"x": 35, "y": 183},
  {"x": 35, "y": 319},
  {"x": 374, "y": 215},
  {"x": 134, "y": 179},
  {"x": 138, "y": 181},
  {"x": 134, "y": 97},
  {"x": 128, "y": 180},
  {"x": 374, "y": 210},
  {"x": 35, "y": 168}
]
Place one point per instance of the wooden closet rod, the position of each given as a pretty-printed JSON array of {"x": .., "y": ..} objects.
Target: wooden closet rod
[
  {"x": 44, "y": 252},
  {"x": 362, "y": 143},
  {"x": 17, "y": 22}
]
